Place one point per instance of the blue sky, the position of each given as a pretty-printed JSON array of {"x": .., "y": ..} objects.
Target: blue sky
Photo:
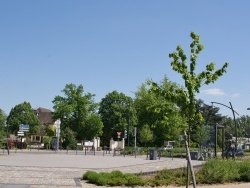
[{"x": 117, "y": 45}]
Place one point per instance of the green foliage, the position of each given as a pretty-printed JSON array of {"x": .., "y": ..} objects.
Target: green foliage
[
  {"x": 185, "y": 97},
  {"x": 244, "y": 170},
  {"x": 47, "y": 141},
  {"x": 214, "y": 171},
  {"x": 114, "y": 178},
  {"x": 146, "y": 135},
  {"x": 219, "y": 171},
  {"x": 23, "y": 114},
  {"x": 117, "y": 113},
  {"x": 204, "y": 131},
  {"x": 203, "y": 135},
  {"x": 243, "y": 123},
  {"x": 50, "y": 130},
  {"x": 91, "y": 176},
  {"x": 69, "y": 141},
  {"x": 169, "y": 177},
  {"x": 229, "y": 125},
  {"x": 94, "y": 127},
  {"x": 209, "y": 113},
  {"x": 193, "y": 81},
  {"x": 162, "y": 115},
  {"x": 77, "y": 111},
  {"x": 36, "y": 129},
  {"x": 2, "y": 124}
]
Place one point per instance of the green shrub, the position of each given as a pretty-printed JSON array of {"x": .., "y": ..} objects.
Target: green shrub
[
  {"x": 169, "y": 177},
  {"x": 114, "y": 178},
  {"x": 132, "y": 180},
  {"x": 213, "y": 171},
  {"x": 219, "y": 171},
  {"x": 101, "y": 181},
  {"x": 91, "y": 176},
  {"x": 244, "y": 170}
]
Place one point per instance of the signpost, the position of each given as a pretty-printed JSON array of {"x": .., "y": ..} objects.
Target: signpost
[
  {"x": 20, "y": 133},
  {"x": 24, "y": 127},
  {"x": 58, "y": 130}
]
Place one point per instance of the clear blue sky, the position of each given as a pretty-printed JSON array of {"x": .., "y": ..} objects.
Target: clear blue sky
[{"x": 117, "y": 45}]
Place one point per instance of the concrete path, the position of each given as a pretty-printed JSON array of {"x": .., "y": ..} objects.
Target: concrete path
[{"x": 40, "y": 169}]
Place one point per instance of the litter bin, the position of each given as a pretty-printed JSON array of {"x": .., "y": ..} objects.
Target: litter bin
[
  {"x": 152, "y": 154},
  {"x": 195, "y": 155}
]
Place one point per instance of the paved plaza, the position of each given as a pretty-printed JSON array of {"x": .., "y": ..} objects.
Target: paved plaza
[{"x": 40, "y": 169}]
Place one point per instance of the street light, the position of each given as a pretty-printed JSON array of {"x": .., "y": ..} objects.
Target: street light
[{"x": 234, "y": 112}]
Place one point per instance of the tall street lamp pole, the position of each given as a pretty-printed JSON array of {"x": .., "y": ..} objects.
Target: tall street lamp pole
[{"x": 234, "y": 112}]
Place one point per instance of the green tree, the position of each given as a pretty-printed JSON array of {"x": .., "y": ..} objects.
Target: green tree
[
  {"x": 203, "y": 135},
  {"x": 94, "y": 127},
  {"x": 50, "y": 130},
  {"x": 185, "y": 97},
  {"x": 23, "y": 114},
  {"x": 210, "y": 114},
  {"x": 163, "y": 116},
  {"x": 47, "y": 140},
  {"x": 145, "y": 135},
  {"x": 3, "y": 130},
  {"x": 244, "y": 126},
  {"x": 229, "y": 125},
  {"x": 205, "y": 131},
  {"x": 69, "y": 141},
  {"x": 77, "y": 111},
  {"x": 117, "y": 113}
]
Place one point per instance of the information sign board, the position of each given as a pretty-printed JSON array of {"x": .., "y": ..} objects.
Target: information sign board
[
  {"x": 24, "y": 127},
  {"x": 20, "y": 133}
]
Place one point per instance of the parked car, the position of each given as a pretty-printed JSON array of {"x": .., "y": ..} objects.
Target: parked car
[
  {"x": 239, "y": 152},
  {"x": 168, "y": 147}
]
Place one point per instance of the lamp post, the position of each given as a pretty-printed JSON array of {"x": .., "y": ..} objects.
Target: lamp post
[{"x": 234, "y": 112}]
